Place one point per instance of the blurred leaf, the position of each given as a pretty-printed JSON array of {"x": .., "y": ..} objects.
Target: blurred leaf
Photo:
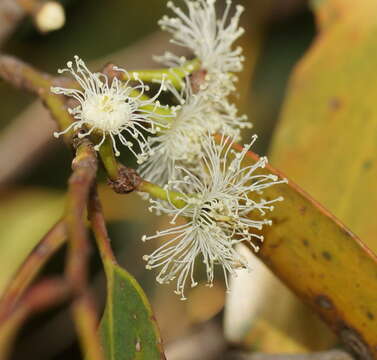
[
  {"x": 128, "y": 327},
  {"x": 327, "y": 137},
  {"x": 269, "y": 339},
  {"x": 25, "y": 216},
  {"x": 254, "y": 319},
  {"x": 117, "y": 207},
  {"x": 326, "y": 265},
  {"x": 8, "y": 333}
]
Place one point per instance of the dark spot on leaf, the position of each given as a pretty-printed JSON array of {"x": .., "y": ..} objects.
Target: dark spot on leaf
[
  {"x": 314, "y": 256},
  {"x": 367, "y": 164},
  {"x": 370, "y": 315},
  {"x": 335, "y": 104},
  {"x": 303, "y": 210},
  {"x": 305, "y": 242},
  {"x": 273, "y": 246},
  {"x": 324, "y": 302},
  {"x": 327, "y": 255},
  {"x": 276, "y": 244}
]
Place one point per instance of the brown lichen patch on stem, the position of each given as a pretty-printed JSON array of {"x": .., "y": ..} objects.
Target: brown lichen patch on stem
[{"x": 127, "y": 181}]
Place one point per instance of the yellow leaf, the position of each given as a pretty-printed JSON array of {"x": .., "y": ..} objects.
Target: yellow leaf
[{"x": 25, "y": 216}]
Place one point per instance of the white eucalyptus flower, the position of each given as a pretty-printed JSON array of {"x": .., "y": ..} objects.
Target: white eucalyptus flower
[
  {"x": 223, "y": 209},
  {"x": 112, "y": 109},
  {"x": 181, "y": 143},
  {"x": 210, "y": 38}
]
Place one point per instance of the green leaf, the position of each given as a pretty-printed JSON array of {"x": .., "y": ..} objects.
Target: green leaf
[{"x": 128, "y": 328}]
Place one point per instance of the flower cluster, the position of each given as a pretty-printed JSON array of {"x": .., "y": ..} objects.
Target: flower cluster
[
  {"x": 220, "y": 197},
  {"x": 218, "y": 215},
  {"x": 205, "y": 108},
  {"x": 180, "y": 143}
]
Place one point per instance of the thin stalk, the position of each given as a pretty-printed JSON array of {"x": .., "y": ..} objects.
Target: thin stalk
[
  {"x": 174, "y": 75},
  {"x": 109, "y": 161},
  {"x": 98, "y": 224},
  {"x": 158, "y": 192},
  {"x": 85, "y": 317}
]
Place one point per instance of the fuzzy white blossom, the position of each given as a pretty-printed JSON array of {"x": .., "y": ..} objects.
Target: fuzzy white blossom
[
  {"x": 180, "y": 144},
  {"x": 112, "y": 109},
  {"x": 210, "y": 38},
  {"x": 224, "y": 208}
]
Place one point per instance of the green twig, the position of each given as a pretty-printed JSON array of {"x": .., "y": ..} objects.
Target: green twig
[
  {"x": 158, "y": 192},
  {"x": 174, "y": 75},
  {"x": 109, "y": 162}
]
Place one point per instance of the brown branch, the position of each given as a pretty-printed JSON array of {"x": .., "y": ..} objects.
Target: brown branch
[
  {"x": 86, "y": 320},
  {"x": 84, "y": 171},
  {"x": 98, "y": 224},
  {"x": 13, "y": 11},
  {"x": 24, "y": 76},
  {"x": 81, "y": 182},
  {"x": 82, "y": 179},
  {"x": 10, "y": 15},
  {"x": 51, "y": 242},
  {"x": 47, "y": 293}
]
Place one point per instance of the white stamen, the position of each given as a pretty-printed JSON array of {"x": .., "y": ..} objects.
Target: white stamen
[
  {"x": 218, "y": 216},
  {"x": 112, "y": 109},
  {"x": 209, "y": 37},
  {"x": 180, "y": 144}
]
